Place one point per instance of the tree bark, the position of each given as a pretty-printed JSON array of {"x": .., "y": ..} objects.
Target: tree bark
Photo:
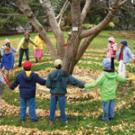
[
  {"x": 24, "y": 7},
  {"x": 85, "y": 10},
  {"x": 74, "y": 41},
  {"x": 46, "y": 4}
]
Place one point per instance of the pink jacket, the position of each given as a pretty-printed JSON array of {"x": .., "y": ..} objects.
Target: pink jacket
[{"x": 111, "y": 48}]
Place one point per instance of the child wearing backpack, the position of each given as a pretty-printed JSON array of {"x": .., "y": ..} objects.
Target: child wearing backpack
[
  {"x": 27, "y": 80},
  {"x": 107, "y": 82},
  {"x": 57, "y": 82}
]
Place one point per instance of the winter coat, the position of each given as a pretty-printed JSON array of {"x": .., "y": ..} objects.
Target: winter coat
[
  {"x": 107, "y": 83},
  {"x": 27, "y": 85},
  {"x": 127, "y": 55},
  {"x": 58, "y": 81},
  {"x": 8, "y": 61},
  {"x": 111, "y": 50}
]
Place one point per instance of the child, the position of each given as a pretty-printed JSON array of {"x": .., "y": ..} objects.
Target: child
[
  {"x": 1, "y": 62},
  {"x": 57, "y": 82},
  {"x": 8, "y": 61},
  {"x": 7, "y": 44},
  {"x": 38, "y": 51},
  {"x": 124, "y": 55},
  {"x": 111, "y": 51},
  {"x": 23, "y": 47},
  {"x": 27, "y": 80},
  {"x": 3, "y": 82},
  {"x": 108, "y": 85}
]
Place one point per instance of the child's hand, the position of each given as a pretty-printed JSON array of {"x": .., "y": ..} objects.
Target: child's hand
[
  {"x": 134, "y": 61},
  {"x": 131, "y": 78},
  {"x": 82, "y": 90}
]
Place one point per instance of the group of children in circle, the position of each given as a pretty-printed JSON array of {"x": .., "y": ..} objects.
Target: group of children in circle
[{"x": 58, "y": 80}]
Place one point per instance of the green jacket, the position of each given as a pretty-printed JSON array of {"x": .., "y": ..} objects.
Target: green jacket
[{"x": 107, "y": 83}]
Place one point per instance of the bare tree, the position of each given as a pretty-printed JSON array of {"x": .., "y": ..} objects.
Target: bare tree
[{"x": 79, "y": 39}]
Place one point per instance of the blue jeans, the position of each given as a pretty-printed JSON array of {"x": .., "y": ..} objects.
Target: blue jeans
[
  {"x": 32, "y": 108},
  {"x": 108, "y": 109},
  {"x": 62, "y": 104}
]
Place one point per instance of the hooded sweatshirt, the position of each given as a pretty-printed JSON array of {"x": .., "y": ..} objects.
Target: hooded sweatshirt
[
  {"x": 27, "y": 84},
  {"x": 8, "y": 61},
  {"x": 107, "y": 82},
  {"x": 59, "y": 79}
]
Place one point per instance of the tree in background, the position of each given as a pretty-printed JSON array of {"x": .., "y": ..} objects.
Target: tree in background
[{"x": 79, "y": 39}]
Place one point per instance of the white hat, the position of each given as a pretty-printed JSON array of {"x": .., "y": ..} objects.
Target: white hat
[{"x": 58, "y": 62}]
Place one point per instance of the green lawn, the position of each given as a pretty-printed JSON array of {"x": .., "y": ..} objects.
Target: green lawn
[{"x": 82, "y": 113}]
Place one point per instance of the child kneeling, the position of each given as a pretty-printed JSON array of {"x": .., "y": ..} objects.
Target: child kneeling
[
  {"x": 107, "y": 83},
  {"x": 57, "y": 82},
  {"x": 27, "y": 80}
]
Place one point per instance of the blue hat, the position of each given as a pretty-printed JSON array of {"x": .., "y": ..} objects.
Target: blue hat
[
  {"x": 124, "y": 42},
  {"x": 107, "y": 64}
]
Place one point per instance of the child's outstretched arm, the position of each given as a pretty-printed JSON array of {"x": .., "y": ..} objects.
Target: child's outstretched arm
[
  {"x": 40, "y": 80},
  {"x": 49, "y": 82},
  {"x": 121, "y": 78},
  {"x": 14, "y": 84},
  {"x": 96, "y": 83},
  {"x": 75, "y": 82},
  {"x": 132, "y": 78}
]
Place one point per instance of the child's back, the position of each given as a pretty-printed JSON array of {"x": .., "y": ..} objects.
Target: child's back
[
  {"x": 58, "y": 81},
  {"x": 108, "y": 85},
  {"x": 27, "y": 83},
  {"x": 27, "y": 80}
]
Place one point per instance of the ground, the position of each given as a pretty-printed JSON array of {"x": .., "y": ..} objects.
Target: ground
[{"x": 83, "y": 108}]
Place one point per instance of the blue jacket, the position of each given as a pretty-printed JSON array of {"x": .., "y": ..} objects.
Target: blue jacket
[
  {"x": 27, "y": 85},
  {"x": 8, "y": 61},
  {"x": 59, "y": 79},
  {"x": 127, "y": 55}
]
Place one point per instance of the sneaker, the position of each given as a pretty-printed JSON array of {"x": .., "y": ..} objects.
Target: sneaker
[
  {"x": 66, "y": 122},
  {"x": 21, "y": 121},
  {"x": 50, "y": 122},
  {"x": 111, "y": 118},
  {"x": 34, "y": 120}
]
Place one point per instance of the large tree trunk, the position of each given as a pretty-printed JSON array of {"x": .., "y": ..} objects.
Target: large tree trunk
[{"x": 74, "y": 41}]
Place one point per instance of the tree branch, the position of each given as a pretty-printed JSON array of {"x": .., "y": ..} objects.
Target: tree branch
[
  {"x": 113, "y": 10},
  {"x": 122, "y": 2},
  {"x": 24, "y": 7},
  {"x": 84, "y": 45},
  {"x": 46, "y": 4},
  {"x": 62, "y": 11},
  {"x": 96, "y": 30},
  {"x": 85, "y": 10}
]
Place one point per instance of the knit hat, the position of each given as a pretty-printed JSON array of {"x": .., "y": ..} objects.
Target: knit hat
[
  {"x": 107, "y": 64},
  {"x": 112, "y": 39},
  {"x": 27, "y": 65},
  {"x": 124, "y": 42},
  {"x": 58, "y": 62},
  {"x": 26, "y": 33},
  {"x": 7, "y": 41}
]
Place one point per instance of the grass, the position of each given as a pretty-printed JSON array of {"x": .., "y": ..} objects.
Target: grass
[{"x": 77, "y": 111}]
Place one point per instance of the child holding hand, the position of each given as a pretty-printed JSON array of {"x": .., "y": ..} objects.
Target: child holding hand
[
  {"x": 57, "y": 81},
  {"x": 27, "y": 80},
  {"x": 111, "y": 50},
  {"x": 107, "y": 82}
]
